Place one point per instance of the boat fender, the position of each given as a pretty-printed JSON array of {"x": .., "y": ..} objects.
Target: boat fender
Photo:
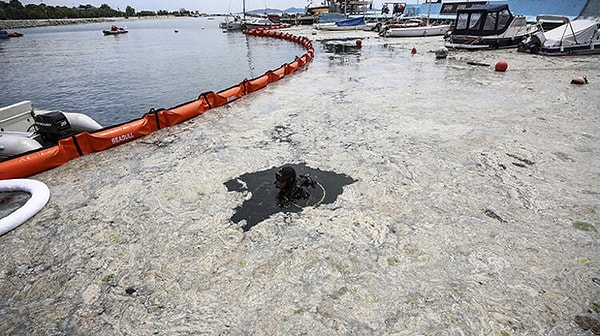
[
  {"x": 413, "y": 50},
  {"x": 39, "y": 197},
  {"x": 579, "y": 80},
  {"x": 501, "y": 66}
]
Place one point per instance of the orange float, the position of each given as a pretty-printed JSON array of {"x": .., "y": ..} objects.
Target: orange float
[{"x": 501, "y": 66}]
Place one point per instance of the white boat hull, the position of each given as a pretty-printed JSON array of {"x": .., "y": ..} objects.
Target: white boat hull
[
  {"x": 578, "y": 37},
  {"x": 418, "y": 31},
  {"x": 333, "y": 27}
]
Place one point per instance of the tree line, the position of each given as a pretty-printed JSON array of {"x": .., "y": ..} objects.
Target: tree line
[{"x": 14, "y": 10}]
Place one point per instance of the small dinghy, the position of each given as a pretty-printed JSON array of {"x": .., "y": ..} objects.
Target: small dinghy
[{"x": 22, "y": 129}]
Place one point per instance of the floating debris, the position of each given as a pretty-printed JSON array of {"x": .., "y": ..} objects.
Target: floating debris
[
  {"x": 583, "y": 226},
  {"x": 528, "y": 162},
  {"x": 478, "y": 64},
  {"x": 588, "y": 323},
  {"x": 493, "y": 215},
  {"x": 579, "y": 80},
  {"x": 441, "y": 53}
]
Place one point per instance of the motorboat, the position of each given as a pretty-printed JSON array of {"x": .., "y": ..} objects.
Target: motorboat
[
  {"x": 262, "y": 22},
  {"x": 446, "y": 9},
  {"x": 5, "y": 35},
  {"x": 488, "y": 27},
  {"x": 577, "y": 37},
  {"x": 114, "y": 30},
  {"x": 348, "y": 24},
  {"x": 414, "y": 27},
  {"x": 23, "y": 129},
  {"x": 231, "y": 23},
  {"x": 313, "y": 9}
]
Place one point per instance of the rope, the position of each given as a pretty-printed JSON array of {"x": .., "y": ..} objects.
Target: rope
[{"x": 316, "y": 204}]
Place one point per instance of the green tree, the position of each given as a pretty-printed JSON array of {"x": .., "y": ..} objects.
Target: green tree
[{"x": 129, "y": 11}]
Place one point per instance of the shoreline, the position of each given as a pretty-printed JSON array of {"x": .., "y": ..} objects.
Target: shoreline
[{"x": 16, "y": 24}]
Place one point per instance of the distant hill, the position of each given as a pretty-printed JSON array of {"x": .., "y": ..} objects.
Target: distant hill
[{"x": 291, "y": 10}]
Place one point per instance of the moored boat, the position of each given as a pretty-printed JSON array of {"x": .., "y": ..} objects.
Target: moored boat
[
  {"x": 231, "y": 23},
  {"x": 114, "y": 30},
  {"x": 488, "y": 27},
  {"x": 414, "y": 27},
  {"x": 446, "y": 9},
  {"x": 23, "y": 129},
  {"x": 262, "y": 22},
  {"x": 349, "y": 24},
  {"x": 577, "y": 37}
]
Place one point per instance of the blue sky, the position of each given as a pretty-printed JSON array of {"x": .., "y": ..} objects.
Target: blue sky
[{"x": 204, "y": 6}]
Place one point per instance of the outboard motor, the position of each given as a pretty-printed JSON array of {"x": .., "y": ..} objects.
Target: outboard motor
[
  {"x": 531, "y": 45},
  {"x": 53, "y": 126}
]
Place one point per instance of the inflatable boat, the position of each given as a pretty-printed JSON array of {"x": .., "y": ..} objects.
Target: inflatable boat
[{"x": 22, "y": 129}]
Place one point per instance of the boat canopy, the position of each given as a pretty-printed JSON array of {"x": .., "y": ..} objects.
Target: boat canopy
[
  {"x": 577, "y": 32},
  {"x": 483, "y": 20},
  {"x": 351, "y": 22}
]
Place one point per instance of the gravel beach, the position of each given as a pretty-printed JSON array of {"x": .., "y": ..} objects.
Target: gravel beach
[{"x": 474, "y": 212}]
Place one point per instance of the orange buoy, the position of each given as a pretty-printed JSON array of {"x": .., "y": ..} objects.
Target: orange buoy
[
  {"x": 501, "y": 66},
  {"x": 579, "y": 80},
  {"x": 359, "y": 43},
  {"x": 413, "y": 51}
]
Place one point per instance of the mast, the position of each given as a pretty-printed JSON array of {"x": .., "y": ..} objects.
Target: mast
[
  {"x": 244, "y": 9},
  {"x": 428, "y": 12}
]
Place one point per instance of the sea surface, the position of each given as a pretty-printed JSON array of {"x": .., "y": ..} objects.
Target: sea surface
[
  {"x": 113, "y": 79},
  {"x": 474, "y": 207}
]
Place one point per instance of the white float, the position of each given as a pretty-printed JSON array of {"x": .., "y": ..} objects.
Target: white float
[{"x": 39, "y": 197}]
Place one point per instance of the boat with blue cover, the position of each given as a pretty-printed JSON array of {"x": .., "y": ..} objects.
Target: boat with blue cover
[{"x": 348, "y": 24}]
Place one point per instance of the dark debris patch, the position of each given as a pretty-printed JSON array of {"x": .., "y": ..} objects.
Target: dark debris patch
[
  {"x": 263, "y": 202},
  {"x": 588, "y": 323},
  {"x": 522, "y": 161},
  {"x": 493, "y": 215}
]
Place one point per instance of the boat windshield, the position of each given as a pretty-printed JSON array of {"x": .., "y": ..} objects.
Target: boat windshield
[
  {"x": 461, "y": 21},
  {"x": 483, "y": 20},
  {"x": 474, "y": 22},
  {"x": 504, "y": 19}
]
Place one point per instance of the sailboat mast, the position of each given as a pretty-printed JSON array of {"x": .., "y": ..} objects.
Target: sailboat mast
[
  {"x": 244, "y": 9},
  {"x": 428, "y": 12}
]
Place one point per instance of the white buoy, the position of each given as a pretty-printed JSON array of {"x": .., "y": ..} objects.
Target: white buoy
[{"x": 39, "y": 197}]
